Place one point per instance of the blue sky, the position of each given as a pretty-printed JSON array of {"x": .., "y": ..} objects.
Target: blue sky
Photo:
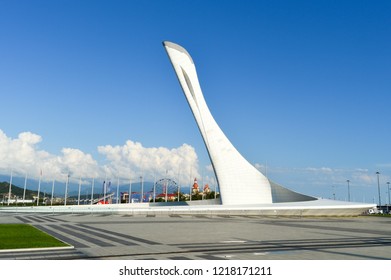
[{"x": 301, "y": 88}]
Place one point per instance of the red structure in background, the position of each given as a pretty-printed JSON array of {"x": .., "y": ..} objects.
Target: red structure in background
[{"x": 195, "y": 188}]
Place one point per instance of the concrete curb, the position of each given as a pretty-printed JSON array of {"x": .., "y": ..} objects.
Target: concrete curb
[{"x": 36, "y": 249}]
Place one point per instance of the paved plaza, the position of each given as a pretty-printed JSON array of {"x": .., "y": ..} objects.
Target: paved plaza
[{"x": 203, "y": 237}]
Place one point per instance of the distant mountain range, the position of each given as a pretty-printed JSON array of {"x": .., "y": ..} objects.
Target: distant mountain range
[{"x": 4, "y": 190}]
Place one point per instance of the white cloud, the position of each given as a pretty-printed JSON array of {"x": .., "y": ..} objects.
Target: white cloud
[
  {"x": 131, "y": 160},
  {"x": 78, "y": 163},
  {"x": 320, "y": 169},
  {"x": 29, "y": 138},
  {"x": 364, "y": 178},
  {"x": 21, "y": 155}
]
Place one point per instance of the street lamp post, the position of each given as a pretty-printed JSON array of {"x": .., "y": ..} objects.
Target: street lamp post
[
  {"x": 348, "y": 190},
  {"x": 378, "y": 188},
  {"x": 388, "y": 207}
]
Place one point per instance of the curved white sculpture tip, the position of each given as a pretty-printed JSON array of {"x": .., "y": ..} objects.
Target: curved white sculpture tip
[{"x": 177, "y": 47}]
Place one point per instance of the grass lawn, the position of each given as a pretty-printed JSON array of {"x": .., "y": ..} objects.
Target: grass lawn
[{"x": 19, "y": 236}]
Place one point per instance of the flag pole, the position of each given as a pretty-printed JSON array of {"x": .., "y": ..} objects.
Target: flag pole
[
  {"x": 130, "y": 190},
  {"x": 166, "y": 197},
  {"x": 142, "y": 189},
  {"x": 66, "y": 190},
  {"x": 117, "y": 189},
  {"x": 104, "y": 190},
  {"x": 154, "y": 187},
  {"x": 92, "y": 191},
  {"x": 24, "y": 188},
  {"x": 191, "y": 189},
  {"x": 39, "y": 186},
  {"x": 179, "y": 186},
  {"x": 9, "y": 191},
  {"x": 78, "y": 197},
  {"x": 51, "y": 201}
]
